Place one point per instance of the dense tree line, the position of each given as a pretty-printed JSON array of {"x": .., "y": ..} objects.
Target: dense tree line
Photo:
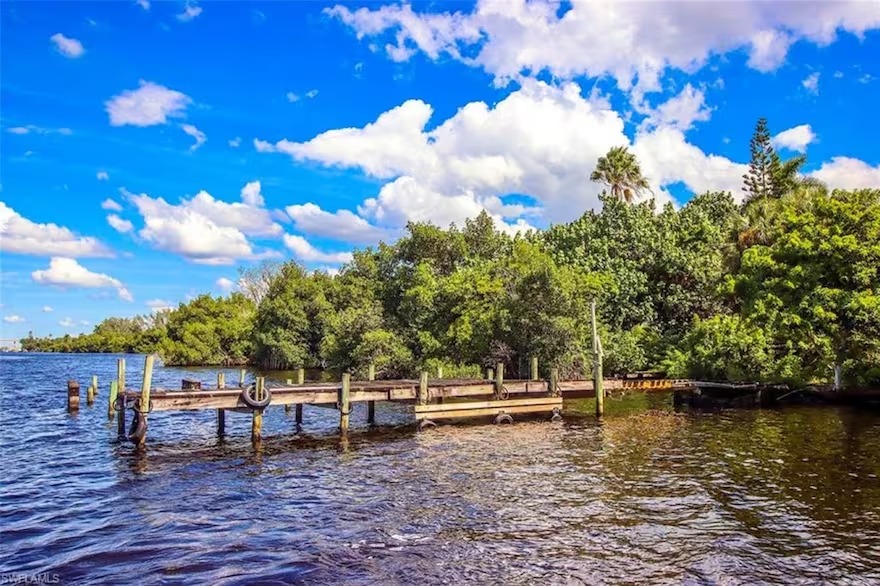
[{"x": 784, "y": 287}]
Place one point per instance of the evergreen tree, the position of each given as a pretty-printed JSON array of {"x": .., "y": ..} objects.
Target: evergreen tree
[{"x": 764, "y": 167}]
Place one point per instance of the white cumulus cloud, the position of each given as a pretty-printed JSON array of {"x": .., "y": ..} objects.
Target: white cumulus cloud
[
  {"x": 47, "y": 309},
  {"x": 634, "y": 42},
  {"x": 148, "y": 105},
  {"x": 19, "y": 235},
  {"x": 305, "y": 252},
  {"x": 795, "y": 139},
  {"x": 67, "y": 273},
  {"x": 102, "y": 176},
  {"x": 67, "y": 46},
  {"x": 811, "y": 83},
  {"x": 190, "y": 11},
  {"x": 341, "y": 225},
  {"x": 225, "y": 284},
  {"x": 13, "y": 319},
  {"x": 848, "y": 173},
  {"x": 119, "y": 224},
  {"x": 204, "y": 229},
  {"x": 111, "y": 205}
]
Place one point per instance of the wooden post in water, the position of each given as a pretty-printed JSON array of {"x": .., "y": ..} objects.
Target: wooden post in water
[
  {"x": 597, "y": 364},
  {"x": 221, "y": 413},
  {"x": 287, "y": 407},
  {"x": 300, "y": 380},
  {"x": 371, "y": 405},
  {"x": 241, "y": 378},
  {"x": 72, "y": 396},
  {"x": 257, "y": 421},
  {"x": 554, "y": 382},
  {"x": 422, "y": 397},
  {"x": 344, "y": 402},
  {"x": 120, "y": 377},
  {"x": 145, "y": 394},
  {"x": 533, "y": 371},
  {"x": 95, "y": 383},
  {"x": 111, "y": 399},
  {"x": 499, "y": 379},
  {"x": 90, "y": 396}
]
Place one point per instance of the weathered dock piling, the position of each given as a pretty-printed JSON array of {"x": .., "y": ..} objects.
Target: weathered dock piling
[
  {"x": 221, "y": 413},
  {"x": 597, "y": 365},
  {"x": 143, "y": 406},
  {"x": 72, "y": 396},
  {"x": 120, "y": 404},
  {"x": 111, "y": 399},
  {"x": 257, "y": 420},
  {"x": 344, "y": 402},
  {"x": 371, "y": 405},
  {"x": 300, "y": 380}
]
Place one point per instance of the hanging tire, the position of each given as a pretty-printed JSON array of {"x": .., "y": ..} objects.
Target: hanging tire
[
  {"x": 503, "y": 418},
  {"x": 248, "y": 396},
  {"x": 557, "y": 416}
]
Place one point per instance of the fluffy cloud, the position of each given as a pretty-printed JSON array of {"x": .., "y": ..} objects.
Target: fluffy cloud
[
  {"x": 13, "y": 319},
  {"x": 795, "y": 139},
  {"x": 102, "y": 176},
  {"x": 308, "y": 253},
  {"x": 197, "y": 134},
  {"x": 119, "y": 224},
  {"x": 634, "y": 42},
  {"x": 21, "y": 236},
  {"x": 341, "y": 225},
  {"x": 111, "y": 204},
  {"x": 67, "y": 46},
  {"x": 204, "y": 229},
  {"x": 145, "y": 4},
  {"x": 235, "y": 142},
  {"x": 47, "y": 309},
  {"x": 541, "y": 140},
  {"x": 251, "y": 194},
  {"x": 67, "y": 323},
  {"x": 191, "y": 11},
  {"x": 67, "y": 273},
  {"x": 811, "y": 83},
  {"x": 848, "y": 173},
  {"x": 680, "y": 111},
  {"x": 148, "y": 105},
  {"x": 157, "y": 305},
  {"x": 292, "y": 97},
  {"x": 225, "y": 284}
]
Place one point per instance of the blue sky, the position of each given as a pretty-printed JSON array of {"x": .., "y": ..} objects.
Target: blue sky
[{"x": 344, "y": 122}]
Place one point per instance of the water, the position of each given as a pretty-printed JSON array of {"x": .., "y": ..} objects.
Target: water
[{"x": 648, "y": 497}]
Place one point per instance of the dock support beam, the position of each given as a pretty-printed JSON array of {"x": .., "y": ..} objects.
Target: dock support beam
[
  {"x": 344, "y": 402},
  {"x": 499, "y": 380},
  {"x": 371, "y": 405},
  {"x": 287, "y": 407},
  {"x": 111, "y": 399},
  {"x": 120, "y": 378},
  {"x": 490, "y": 374},
  {"x": 241, "y": 378},
  {"x": 257, "y": 421},
  {"x": 597, "y": 364},
  {"x": 221, "y": 413},
  {"x": 554, "y": 382},
  {"x": 300, "y": 380},
  {"x": 145, "y": 396},
  {"x": 72, "y": 396},
  {"x": 533, "y": 371}
]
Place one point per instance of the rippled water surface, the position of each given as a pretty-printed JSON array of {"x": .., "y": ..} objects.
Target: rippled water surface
[{"x": 649, "y": 496}]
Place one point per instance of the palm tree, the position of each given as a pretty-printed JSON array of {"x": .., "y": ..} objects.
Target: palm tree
[{"x": 620, "y": 171}]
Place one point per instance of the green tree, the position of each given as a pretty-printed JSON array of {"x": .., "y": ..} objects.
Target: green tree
[{"x": 620, "y": 171}]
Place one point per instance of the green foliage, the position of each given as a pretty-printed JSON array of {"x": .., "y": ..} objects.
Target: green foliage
[
  {"x": 209, "y": 330},
  {"x": 620, "y": 171}
]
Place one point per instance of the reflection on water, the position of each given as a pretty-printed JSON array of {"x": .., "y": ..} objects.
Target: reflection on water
[{"x": 647, "y": 496}]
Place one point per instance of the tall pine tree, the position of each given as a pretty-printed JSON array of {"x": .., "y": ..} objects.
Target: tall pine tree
[{"x": 764, "y": 167}]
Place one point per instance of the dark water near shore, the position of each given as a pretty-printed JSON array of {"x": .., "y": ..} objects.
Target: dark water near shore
[{"x": 649, "y": 496}]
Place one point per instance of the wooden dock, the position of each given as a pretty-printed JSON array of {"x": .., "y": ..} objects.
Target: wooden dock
[{"x": 433, "y": 399}]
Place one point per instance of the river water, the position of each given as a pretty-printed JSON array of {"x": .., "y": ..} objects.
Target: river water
[{"x": 648, "y": 496}]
